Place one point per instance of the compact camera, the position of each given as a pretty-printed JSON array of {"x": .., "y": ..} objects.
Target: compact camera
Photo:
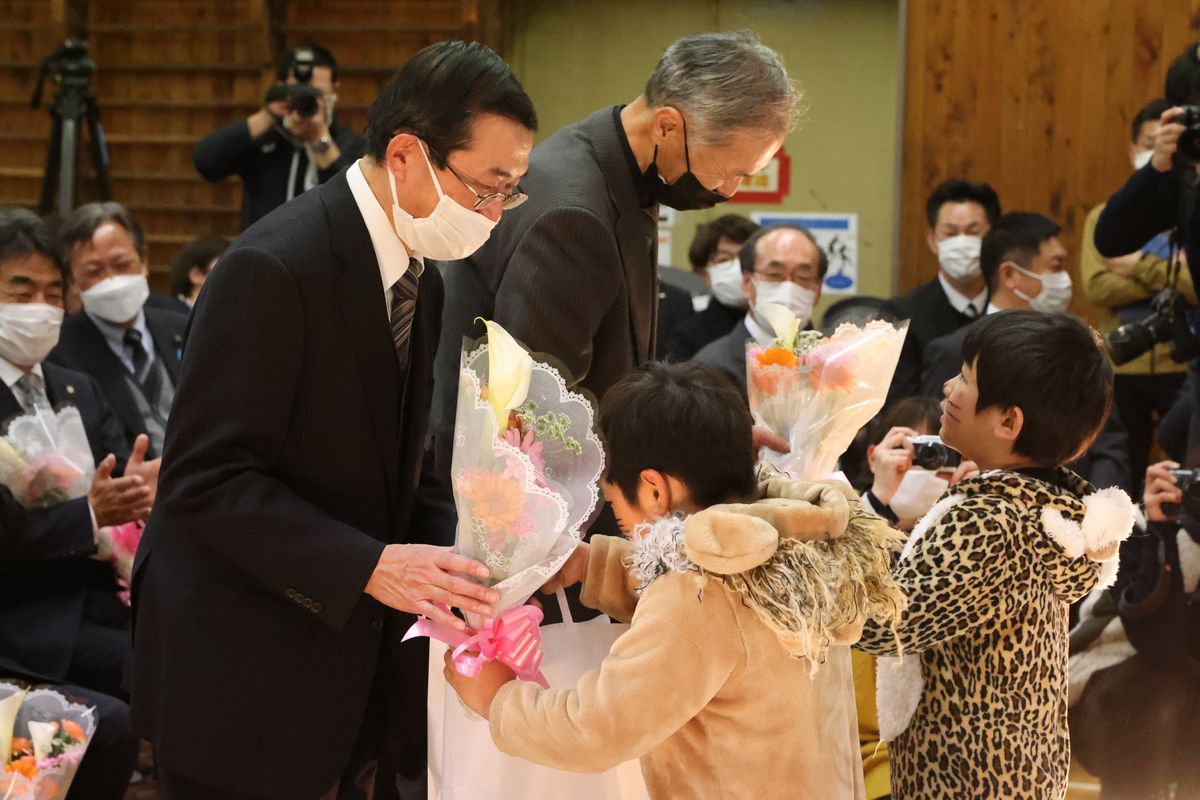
[
  {"x": 931, "y": 453},
  {"x": 1188, "y": 481}
]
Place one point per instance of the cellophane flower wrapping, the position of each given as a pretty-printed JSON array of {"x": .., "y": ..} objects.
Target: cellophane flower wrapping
[
  {"x": 46, "y": 739},
  {"x": 45, "y": 458},
  {"x": 817, "y": 391},
  {"x": 526, "y": 466}
]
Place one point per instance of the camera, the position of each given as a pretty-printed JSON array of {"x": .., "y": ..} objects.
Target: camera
[
  {"x": 71, "y": 68},
  {"x": 301, "y": 98},
  {"x": 1188, "y": 147},
  {"x": 1188, "y": 481},
  {"x": 1169, "y": 322},
  {"x": 929, "y": 452}
]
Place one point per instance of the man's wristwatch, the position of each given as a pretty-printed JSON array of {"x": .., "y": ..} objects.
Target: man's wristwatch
[{"x": 322, "y": 145}]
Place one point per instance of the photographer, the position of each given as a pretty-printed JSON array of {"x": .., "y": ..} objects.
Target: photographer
[
  {"x": 289, "y": 145},
  {"x": 1162, "y": 194}
]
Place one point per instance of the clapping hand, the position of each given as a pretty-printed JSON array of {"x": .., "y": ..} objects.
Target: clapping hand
[
  {"x": 426, "y": 580},
  {"x": 116, "y": 501},
  {"x": 139, "y": 466}
]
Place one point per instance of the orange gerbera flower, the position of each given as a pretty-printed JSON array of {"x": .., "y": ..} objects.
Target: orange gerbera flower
[
  {"x": 25, "y": 765},
  {"x": 496, "y": 500},
  {"x": 21, "y": 746},
  {"x": 73, "y": 730},
  {"x": 777, "y": 356}
]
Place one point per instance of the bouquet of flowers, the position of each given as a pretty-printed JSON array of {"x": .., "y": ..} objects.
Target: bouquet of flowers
[
  {"x": 816, "y": 391},
  {"x": 45, "y": 458},
  {"x": 43, "y": 737},
  {"x": 526, "y": 470}
]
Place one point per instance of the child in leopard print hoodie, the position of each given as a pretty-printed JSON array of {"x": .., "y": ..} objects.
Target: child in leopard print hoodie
[{"x": 977, "y": 701}]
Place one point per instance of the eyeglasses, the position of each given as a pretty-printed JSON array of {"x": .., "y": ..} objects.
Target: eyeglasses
[
  {"x": 507, "y": 200},
  {"x": 805, "y": 282}
]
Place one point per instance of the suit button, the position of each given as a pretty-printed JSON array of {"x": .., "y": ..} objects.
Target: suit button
[
  {"x": 307, "y": 603},
  {"x": 316, "y": 608},
  {"x": 377, "y": 624},
  {"x": 291, "y": 594}
]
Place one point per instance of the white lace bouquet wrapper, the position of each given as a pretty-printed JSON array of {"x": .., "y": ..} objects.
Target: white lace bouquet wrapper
[
  {"x": 48, "y": 736},
  {"x": 524, "y": 494},
  {"x": 817, "y": 391},
  {"x": 45, "y": 458}
]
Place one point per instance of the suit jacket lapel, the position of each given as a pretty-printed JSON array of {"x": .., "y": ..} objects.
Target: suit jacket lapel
[
  {"x": 9, "y": 407},
  {"x": 167, "y": 342},
  {"x": 360, "y": 294},
  {"x": 109, "y": 372},
  {"x": 636, "y": 229}
]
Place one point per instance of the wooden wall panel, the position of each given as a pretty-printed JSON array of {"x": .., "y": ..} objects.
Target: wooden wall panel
[{"x": 1035, "y": 98}]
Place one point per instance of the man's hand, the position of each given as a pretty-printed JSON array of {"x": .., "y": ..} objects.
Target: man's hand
[
  {"x": 1161, "y": 487},
  {"x": 416, "y": 577},
  {"x": 764, "y": 438},
  {"x": 139, "y": 466},
  {"x": 890, "y": 460},
  {"x": 1124, "y": 266},
  {"x": 479, "y": 692},
  {"x": 573, "y": 571},
  {"x": 1166, "y": 140},
  {"x": 116, "y": 501},
  {"x": 308, "y": 129}
]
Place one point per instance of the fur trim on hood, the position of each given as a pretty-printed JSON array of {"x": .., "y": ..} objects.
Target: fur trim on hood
[{"x": 805, "y": 556}]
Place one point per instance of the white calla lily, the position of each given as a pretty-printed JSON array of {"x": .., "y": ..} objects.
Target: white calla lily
[
  {"x": 784, "y": 323},
  {"x": 9, "y": 707},
  {"x": 509, "y": 369},
  {"x": 42, "y": 736}
]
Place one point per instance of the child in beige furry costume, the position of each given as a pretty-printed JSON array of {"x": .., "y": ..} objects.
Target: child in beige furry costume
[{"x": 734, "y": 680}]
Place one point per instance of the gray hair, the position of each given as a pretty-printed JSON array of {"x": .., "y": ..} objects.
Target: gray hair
[
  {"x": 82, "y": 223},
  {"x": 725, "y": 82}
]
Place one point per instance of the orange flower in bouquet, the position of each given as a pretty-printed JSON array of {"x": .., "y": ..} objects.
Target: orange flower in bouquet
[
  {"x": 777, "y": 357},
  {"x": 496, "y": 500}
]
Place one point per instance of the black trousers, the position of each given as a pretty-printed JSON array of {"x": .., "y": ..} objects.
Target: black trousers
[
  {"x": 1141, "y": 401},
  {"x": 111, "y": 756}
]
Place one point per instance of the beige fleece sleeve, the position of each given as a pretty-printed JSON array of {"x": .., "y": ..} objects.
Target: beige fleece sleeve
[
  {"x": 608, "y": 587},
  {"x": 680, "y": 651}
]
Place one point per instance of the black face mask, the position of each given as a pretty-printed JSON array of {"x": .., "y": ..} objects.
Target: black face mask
[{"x": 685, "y": 194}]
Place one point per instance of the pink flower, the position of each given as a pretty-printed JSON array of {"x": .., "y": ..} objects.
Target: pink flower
[{"x": 532, "y": 448}]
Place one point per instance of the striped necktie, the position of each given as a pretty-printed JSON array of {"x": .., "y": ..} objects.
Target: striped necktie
[{"x": 404, "y": 308}]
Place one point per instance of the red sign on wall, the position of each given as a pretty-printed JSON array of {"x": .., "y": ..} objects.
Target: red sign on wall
[{"x": 770, "y": 184}]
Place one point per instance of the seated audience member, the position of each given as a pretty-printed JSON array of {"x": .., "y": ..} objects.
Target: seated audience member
[
  {"x": 276, "y": 165},
  {"x": 1123, "y": 289},
  {"x": 190, "y": 269},
  {"x": 991, "y": 570},
  {"x": 675, "y": 311},
  {"x": 780, "y": 264},
  {"x": 714, "y": 255},
  {"x": 960, "y": 212},
  {"x": 1134, "y": 694},
  {"x": 725, "y": 685},
  {"x": 1024, "y": 263},
  {"x": 130, "y": 348}
]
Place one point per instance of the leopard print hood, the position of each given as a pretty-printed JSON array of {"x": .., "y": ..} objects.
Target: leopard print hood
[{"x": 1068, "y": 521}]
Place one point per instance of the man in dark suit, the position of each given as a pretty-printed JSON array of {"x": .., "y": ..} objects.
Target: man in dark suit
[
  {"x": 782, "y": 264},
  {"x": 960, "y": 212},
  {"x": 1024, "y": 264},
  {"x": 292, "y": 516},
  {"x": 129, "y": 347}
]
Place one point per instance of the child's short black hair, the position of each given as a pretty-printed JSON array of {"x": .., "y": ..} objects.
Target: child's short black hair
[
  {"x": 1054, "y": 368},
  {"x": 686, "y": 420}
]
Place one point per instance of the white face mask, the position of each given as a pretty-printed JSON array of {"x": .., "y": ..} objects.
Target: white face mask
[
  {"x": 117, "y": 299},
  {"x": 959, "y": 256},
  {"x": 1142, "y": 159},
  {"x": 28, "y": 331},
  {"x": 451, "y": 231},
  {"x": 1055, "y": 295},
  {"x": 726, "y": 280},
  {"x": 792, "y": 296},
  {"x": 917, "y": 492}
]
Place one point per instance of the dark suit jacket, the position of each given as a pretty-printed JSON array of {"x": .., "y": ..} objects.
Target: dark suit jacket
[
  {"x": 293, "y": 455},
  {"x": 44, "y": 553},
  {"x": 168, "y": 302},
  {"x": 930, "y": 315},
  {"x": 82, "y": 347},
  {"x": 675, "y": 310},
  {"x": 716, "y": 320},
  {"x": 1105, "y": 464},
  {"x": 572, "y": 272},
  {"x": 728, "y": 353}
]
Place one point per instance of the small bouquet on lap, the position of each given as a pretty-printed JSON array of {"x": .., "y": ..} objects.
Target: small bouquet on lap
[
  {"x": 43, "y": 737},
  {"x": 817, "y": 391},
  {"x": 526, "y": 469}
]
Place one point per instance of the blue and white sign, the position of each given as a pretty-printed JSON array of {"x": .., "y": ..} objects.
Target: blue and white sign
[{"x": 837, "y": 235}]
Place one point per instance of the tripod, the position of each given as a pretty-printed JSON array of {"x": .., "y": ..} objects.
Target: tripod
[{"x": 73, "y": 103}]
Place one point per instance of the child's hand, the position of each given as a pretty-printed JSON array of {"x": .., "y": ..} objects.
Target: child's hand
[
  {"x": 572, "y": 572},
  {"x": 479, "y": 692}
]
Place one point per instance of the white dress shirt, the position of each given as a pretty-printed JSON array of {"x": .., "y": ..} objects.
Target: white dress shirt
[
  {"x": 760, "y": 334},
  {"x": 960, "y": 301},
  {"x": 389, "y": 250},
  {"x": 10, "y": 373}
]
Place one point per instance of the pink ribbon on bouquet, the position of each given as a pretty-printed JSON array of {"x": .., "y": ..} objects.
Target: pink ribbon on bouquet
[{"x": 513, "y": 639}]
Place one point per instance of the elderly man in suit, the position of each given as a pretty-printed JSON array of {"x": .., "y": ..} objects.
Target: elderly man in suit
[
  {"x": 292, "y": 519},
  {"x": 959, "y": 212},
  {"x": 130, "y": 346},
  {"x": 782, "y": 264}
]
